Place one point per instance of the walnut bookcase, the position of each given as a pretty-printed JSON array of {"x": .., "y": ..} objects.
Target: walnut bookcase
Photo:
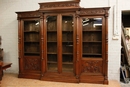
[{"x": 63, "y": 42}]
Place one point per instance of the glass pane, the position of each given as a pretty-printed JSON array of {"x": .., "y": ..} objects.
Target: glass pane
[
  {"x": 92, "y": 37},
  {"x": 31, "y": 37},
  {"x": 52, "y": 43},
  {"x": 67, "y": 43}
]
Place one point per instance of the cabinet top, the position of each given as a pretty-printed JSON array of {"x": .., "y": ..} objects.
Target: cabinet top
[
  {"x": 58, "y": 5},
  {"x": 66, "y": 6}
]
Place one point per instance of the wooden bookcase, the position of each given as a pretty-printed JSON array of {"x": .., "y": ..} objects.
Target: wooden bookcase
[{"x": 63, "y": 42}]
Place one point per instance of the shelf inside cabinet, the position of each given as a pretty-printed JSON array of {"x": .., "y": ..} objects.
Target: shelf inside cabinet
[
  {"x": 32, "y": 52},
  {"x": 67, "y": 41},
  {"x": 51, "y": 36},
  {"x": 51, "y": 53},
  {"x": 67, "y": 62},
  {"x": 92, "y": 41},
  {"x": 67, "y": 53},
  {"x": 52, "y": 67},
  {"x": 27, "y": 31},
  {"x": 66, "y": 67},
  {"x": 51, "y": 31},
  {"x": 51, "y": 41},
  {"x": 31, "y": 37},
  {"x": 91, "y": 54},
  {"x": 71, "y": 31},
  {"x": 51, "y": 62},
  {"x": 92, "y": 30},
  {"x": 31, "y": 41}
]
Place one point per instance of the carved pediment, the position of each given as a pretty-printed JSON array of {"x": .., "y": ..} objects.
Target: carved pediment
[{"x": 58, "y": 5}]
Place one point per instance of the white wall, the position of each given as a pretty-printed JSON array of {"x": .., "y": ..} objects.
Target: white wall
[{"x": 9, "y": 31}]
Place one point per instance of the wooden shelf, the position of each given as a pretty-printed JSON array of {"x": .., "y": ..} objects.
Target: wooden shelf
[
  {"x": 67, "y": 62},
  {"x": 31, "y": 31},
  {"x": 91, "y": 30},
  {"x": 51, "y": 62},
  {"x": 31, "y": 52},
  {"x": 67, "y": 41},
  {"x": 51, "y": 53},
  {"x": 71, "y": 31},
  {"x": 92, "y": 54},
  {"x": 31, "y": 41},
  {"x": 51, "y": 31},
  {"x": 51, "y": 41},
  {"x": 67, "y": 53},
  {"x": 92, "y": 41}
]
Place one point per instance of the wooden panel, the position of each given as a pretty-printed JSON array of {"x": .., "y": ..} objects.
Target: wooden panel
[
  {"x": 92, "y": 79},
  {"x": 63, "y": 77},
  {"x": 32, "y": 63},
  {"x": 91, "y": 66}
]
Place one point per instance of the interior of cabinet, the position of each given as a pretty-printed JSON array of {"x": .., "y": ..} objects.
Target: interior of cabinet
[
  {"x": 31, "y": 37},
  {"x": 67, "y": 43},
  {"x": 52, "y": 64},
  {"x": 92, "y": 37}
]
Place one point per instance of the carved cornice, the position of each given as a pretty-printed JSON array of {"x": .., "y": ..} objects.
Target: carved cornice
[
  {"x": 93, "y": 11},
  {"x": 28, "y": 14},
  {"x": 58, "y": 5}
]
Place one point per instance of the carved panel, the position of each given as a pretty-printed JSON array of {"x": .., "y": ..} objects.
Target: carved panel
[
  {"x": 91, "y": 12},
  {"x": 92, "y": 66},
  {"x": 32, "y": 64},
  {"x": 59, "y": 5},
  {"x": 28, "y": 14}
]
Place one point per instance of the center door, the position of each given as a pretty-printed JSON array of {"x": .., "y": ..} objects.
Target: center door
[{"x": 60, "y": 46}]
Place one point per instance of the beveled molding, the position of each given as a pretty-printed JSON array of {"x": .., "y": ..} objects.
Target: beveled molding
[{"x": 59, "y": 5}]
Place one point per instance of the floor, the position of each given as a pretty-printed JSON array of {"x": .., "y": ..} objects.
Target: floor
[
  {"x": 125, "y": 85},
  {"x": 11, "y": 80}
]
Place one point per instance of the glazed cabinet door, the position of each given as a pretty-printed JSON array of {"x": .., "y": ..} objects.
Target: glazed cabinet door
[
  {"x": 68, "y": 43},
  {"x": 60, "y": 42},
  {"x": 51, "y": 48},
  {"x": 30, "y": 44},
  {"x": 92, "y": 49}
]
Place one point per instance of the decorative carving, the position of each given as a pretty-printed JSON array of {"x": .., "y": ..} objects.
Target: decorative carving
[
  {"x": 29, "y": 14},
  {"x": 58, "y": 5},
  {"x": 77, "y": 39},
  {"x": 92, "y": 66},
  {"x": 91, "y": 12},
  {"x": 32, "y": 64}
]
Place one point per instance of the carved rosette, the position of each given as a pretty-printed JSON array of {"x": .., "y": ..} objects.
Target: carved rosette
[
  {"x": 92, "y": 66},
  {"x": 32, "y": 64}
]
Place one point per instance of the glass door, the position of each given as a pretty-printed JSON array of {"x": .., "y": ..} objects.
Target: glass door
[
  {"x": 60, "y": 43},
  {"x": 67, "y": 43},
  {"x": 31, "y": 38},
  {"x": 92, "y": 38},
  {"x": 31, "y": 44},
  {"x": 52, "y": 64}
]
